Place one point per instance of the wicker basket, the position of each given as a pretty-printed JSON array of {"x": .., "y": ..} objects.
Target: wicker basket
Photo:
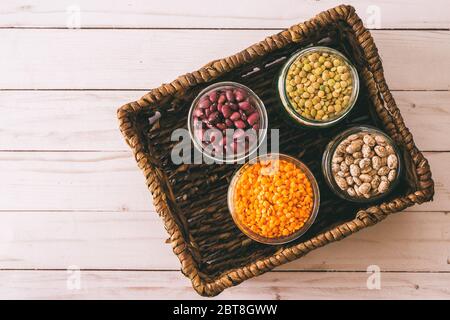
[{"x": 191, "y": 199}]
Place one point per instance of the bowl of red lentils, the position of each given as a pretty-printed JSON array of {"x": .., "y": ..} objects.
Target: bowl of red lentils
[
  {"x": 318, "y": 86},
  {"x": 274, "y": 198}
]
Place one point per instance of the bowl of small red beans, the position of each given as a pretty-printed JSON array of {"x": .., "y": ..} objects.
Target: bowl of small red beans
[{"x": 227, "y": 122}]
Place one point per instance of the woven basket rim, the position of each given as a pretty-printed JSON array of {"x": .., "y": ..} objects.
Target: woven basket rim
[{"x": 385, "y": 107}]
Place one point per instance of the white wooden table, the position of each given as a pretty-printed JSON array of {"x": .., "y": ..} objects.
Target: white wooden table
[{"x": 72, "y": 197}]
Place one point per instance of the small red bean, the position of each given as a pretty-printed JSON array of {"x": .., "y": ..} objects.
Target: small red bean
[
  {"x": 204, "y": 103},
  {"x": 198, "y": 113},
  {"x": 226, "y": 111},
  {"x": 239, "y": 124},
  {"x": 245, "y": 105},
  {"x": 235, "y": 116},
  {"x": 213, "y": 96},
  {"x": 240, "y": 95},
  {"x": 230, "y": 95},
  {"x": 219, "y": 107},
  {"x": 213, "y": 108},
  {"x": 229, "y": 123},
  {"x": 222, "y": 99},
  {"x": 253, "y": 118}
]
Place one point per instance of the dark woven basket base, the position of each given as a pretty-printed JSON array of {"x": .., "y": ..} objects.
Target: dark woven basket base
[{"x": 196, "y": 194}]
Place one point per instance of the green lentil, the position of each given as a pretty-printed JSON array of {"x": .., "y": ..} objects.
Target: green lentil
[{"x": 319, "y": 85}]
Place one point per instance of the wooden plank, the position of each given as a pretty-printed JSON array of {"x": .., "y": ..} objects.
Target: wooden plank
[
  {"x": 134, "y": 59},
  {"x": 427, "y": 116},
  {"x": 89, "y": 240},
  {"x": 411, "y": 241},
  {"x": 206, "y": 14},
  {"x": 85, "y": 120},
  {"x": 63, "y": 120},
  {"x": 72, "y": 181},
  {"x": 173, "y": 285},
  {"x": 111, "y": 181}
]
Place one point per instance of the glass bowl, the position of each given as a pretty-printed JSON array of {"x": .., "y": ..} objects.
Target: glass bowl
[
  {"x": 198, "y": 128},
  {"x": 327, "y": 163},
  {"x": 286, "y": 101},
  {"x": 279, "y": 240}
]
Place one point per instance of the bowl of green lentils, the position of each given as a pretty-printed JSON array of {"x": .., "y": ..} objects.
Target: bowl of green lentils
[{"x": 318, "y": 86}]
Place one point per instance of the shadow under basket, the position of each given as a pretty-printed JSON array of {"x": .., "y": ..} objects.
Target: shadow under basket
[{"x": 192, "y": 198}]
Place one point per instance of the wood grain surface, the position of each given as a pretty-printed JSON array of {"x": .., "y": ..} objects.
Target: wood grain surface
[
  {"x": 66, "y": 120},
  {"x": 71, "y": 195},
  {"x": 409, "y": 241},
  {"x": 206, "y": 14},
  {"x": 274, "y": 285},
  {"x": 132, "y": 59}
]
